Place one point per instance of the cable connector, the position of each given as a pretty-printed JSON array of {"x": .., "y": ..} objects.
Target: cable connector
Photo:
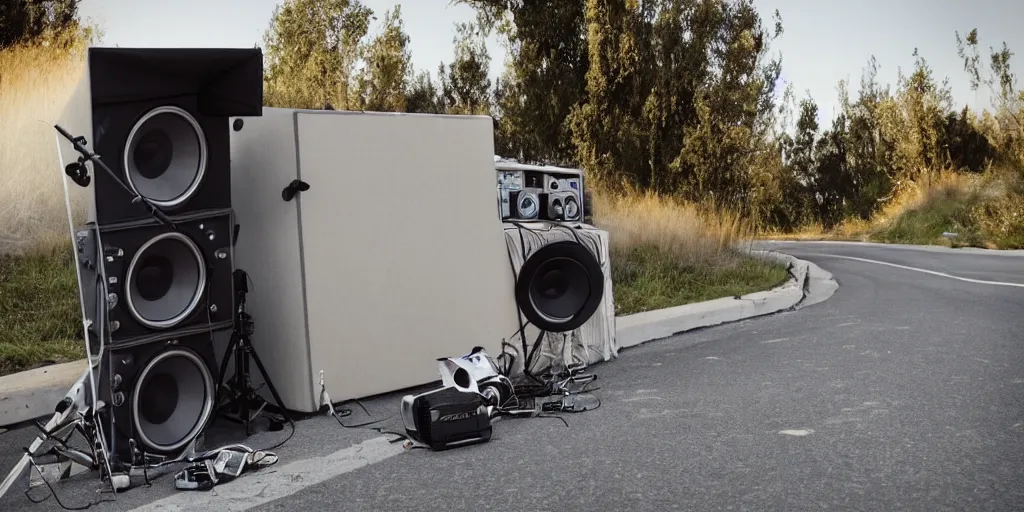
[{"x": 325, "y": 399}]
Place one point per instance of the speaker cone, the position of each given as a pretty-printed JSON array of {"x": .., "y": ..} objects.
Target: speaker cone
[
  {"x": 172, "y": 400},
  {"x": 572, "y": 207},
  {"x": 165, "y": 281},
  {"x": 527, "y": 205},
  {"x": 560, "y": 286},
  {"x": 165, "y": 156}
]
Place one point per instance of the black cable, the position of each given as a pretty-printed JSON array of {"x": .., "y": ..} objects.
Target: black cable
[
  {"x": 54, "y": 493},
  {"x": 341, "y": 412}
]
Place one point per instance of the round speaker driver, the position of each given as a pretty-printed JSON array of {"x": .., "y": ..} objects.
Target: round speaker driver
[
  {"x": 560, "y": 286},
  {"x": 165, "y": 156},
  {"x": 172, "y": 400},
  {"x": 572, "y": 208},
  {"x": 527, "y": 205},
  {"x": 165, "y": 281}
]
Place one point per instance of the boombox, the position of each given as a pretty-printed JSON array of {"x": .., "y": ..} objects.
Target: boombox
[{"x": 539, "y": 192}]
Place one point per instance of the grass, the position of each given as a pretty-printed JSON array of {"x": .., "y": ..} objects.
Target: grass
[
  {"x": 35, "y": 85},
  {"x": 40, "y": 309},
  {"x": 985, "y": 210},
  {"x": 667, "y": 253}
]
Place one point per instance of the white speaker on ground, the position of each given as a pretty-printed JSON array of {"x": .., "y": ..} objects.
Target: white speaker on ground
[{"x": 390, "y": 259}]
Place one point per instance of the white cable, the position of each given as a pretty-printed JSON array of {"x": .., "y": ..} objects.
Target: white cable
[{"x": 81, "y": 300}]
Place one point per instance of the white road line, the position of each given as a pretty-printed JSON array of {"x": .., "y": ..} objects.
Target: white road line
[
  {"x": 932, "y": 272},
  {"x": 273, "y": 483}
]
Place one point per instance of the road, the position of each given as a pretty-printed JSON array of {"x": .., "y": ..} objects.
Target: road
[{"x": 904, "y": 391}]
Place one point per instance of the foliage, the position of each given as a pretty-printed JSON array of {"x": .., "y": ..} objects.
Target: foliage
[
  {"x": 383, "y": 81},
  {"x": 311, "y": 51},
  {"x": 54, "y": 22}
]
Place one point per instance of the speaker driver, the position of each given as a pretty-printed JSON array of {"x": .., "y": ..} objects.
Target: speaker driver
[
  {"x": 560, "y": 286},
  {"x": 165, "y": 156},
  {"x": 572, "y": 208},
  {"x": 165, "y": 281},
  {"x": 527, "y": 205},
  {"x": 172, "y": 400}
]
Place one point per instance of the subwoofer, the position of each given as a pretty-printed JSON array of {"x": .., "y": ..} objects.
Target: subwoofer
[
  {"x": 158, "y": 286},
  {"x": 162, "y": 394},
  {"x": 158, "y": 280}
]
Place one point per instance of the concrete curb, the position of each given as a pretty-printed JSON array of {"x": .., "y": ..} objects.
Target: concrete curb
[
  {"x": 32, "y": 394},
  {"x": 808, "y": 285}
]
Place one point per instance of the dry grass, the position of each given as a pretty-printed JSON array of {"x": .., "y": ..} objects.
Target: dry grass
[
  {"x": 667, "y": 253},
  {"x": 35, "y": 84}
]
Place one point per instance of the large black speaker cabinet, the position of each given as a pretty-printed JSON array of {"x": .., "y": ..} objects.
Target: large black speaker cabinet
[
  {"x": 161, "y": 395},
  {"x": 157, "y": 288},
  {"x": 159, "y": 281},
  {"x": 160, "y": 121}
]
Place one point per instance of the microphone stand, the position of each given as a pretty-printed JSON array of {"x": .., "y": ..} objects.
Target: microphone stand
[{"x": 79, "y": 174}]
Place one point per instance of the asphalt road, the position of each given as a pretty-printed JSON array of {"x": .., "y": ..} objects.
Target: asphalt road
[{"x": 904, "y": 391}]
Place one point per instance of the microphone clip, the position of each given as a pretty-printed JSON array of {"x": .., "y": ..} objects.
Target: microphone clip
[{"x": 78, "y": 172}]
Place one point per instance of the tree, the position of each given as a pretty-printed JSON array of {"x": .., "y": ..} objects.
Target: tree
[
  {"x": 311, "y": 50},
  {"x": 30, "y": 21},
  {"x": 423, "y": 96},
  {"x": 387, "y": 70},
  {"x": 545, "y": 75},
  {"x": 465, "y": 86}
]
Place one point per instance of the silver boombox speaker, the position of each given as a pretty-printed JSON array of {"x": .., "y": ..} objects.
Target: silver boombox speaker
[{"x": 528, "y": 192}]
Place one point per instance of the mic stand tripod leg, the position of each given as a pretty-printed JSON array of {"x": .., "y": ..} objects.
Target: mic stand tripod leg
[{"x": 242, "y": 394}]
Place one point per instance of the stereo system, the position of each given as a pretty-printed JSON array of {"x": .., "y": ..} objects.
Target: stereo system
[
  {"x": 157, "y": 285},
  {"x": 352, "y": 298},
  {"x": 346, "y": 285},
  {"x": 534, "y": 192}
]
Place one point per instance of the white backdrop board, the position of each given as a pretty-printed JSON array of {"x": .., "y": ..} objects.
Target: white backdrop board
[{"x": 393, "y": 258}]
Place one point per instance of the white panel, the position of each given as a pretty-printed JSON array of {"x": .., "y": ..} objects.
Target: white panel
[
  {"x": 405, "y": 258},
  {"x": 263, "y": 162}
]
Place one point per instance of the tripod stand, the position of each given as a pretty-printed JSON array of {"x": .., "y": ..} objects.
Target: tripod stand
[{"x": 244, "y": 404}]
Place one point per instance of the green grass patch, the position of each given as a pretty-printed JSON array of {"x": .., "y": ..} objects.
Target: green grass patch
[
  {"x": 42, "y": 320},
  {"x": 948, "y": 210},
  {"x": 40, "y": 316},
  {"x": 646, "y": 278}
]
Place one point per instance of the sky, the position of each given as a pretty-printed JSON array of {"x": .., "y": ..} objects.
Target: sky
[{"x": 824, "y": 40}]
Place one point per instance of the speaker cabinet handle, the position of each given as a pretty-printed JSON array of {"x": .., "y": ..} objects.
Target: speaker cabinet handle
[{"x": 294, "y": 188}]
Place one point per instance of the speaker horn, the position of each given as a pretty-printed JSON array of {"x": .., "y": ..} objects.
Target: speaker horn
[
  {"x": 560, "y": 286},
  {"x": 166, "y": 279},
  {"x": 165, "y": 156},
  {"x": 172, "y": 400}
]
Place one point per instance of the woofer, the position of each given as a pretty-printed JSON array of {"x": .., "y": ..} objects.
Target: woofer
[
  {"x": 527, "y": 205},
  {"x": 165, "y": 156},
  {"x": 560, "y": 286},
  {"x": 165, "y": 280},
  {"x": 172, "y": 400}
]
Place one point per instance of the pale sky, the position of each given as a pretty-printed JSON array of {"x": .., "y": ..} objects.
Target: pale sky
[{"x": 825, "y": 40}]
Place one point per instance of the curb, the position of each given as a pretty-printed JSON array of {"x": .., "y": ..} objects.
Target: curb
[
  {"x": 32, "y": 394},
  {"x": 808, "y": 285},
  {"x": 25, "y": 396}
]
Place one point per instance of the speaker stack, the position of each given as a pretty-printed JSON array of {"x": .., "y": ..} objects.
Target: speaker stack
[{"x": 158, "y": 287}]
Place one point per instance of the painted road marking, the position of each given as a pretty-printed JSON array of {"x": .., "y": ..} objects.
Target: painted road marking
[
  {"x": 253, "y": 490},
  {"x": 932, "y": 272}
]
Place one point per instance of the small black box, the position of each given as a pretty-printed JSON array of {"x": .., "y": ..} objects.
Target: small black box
[{"x": 447, "y": 418}]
